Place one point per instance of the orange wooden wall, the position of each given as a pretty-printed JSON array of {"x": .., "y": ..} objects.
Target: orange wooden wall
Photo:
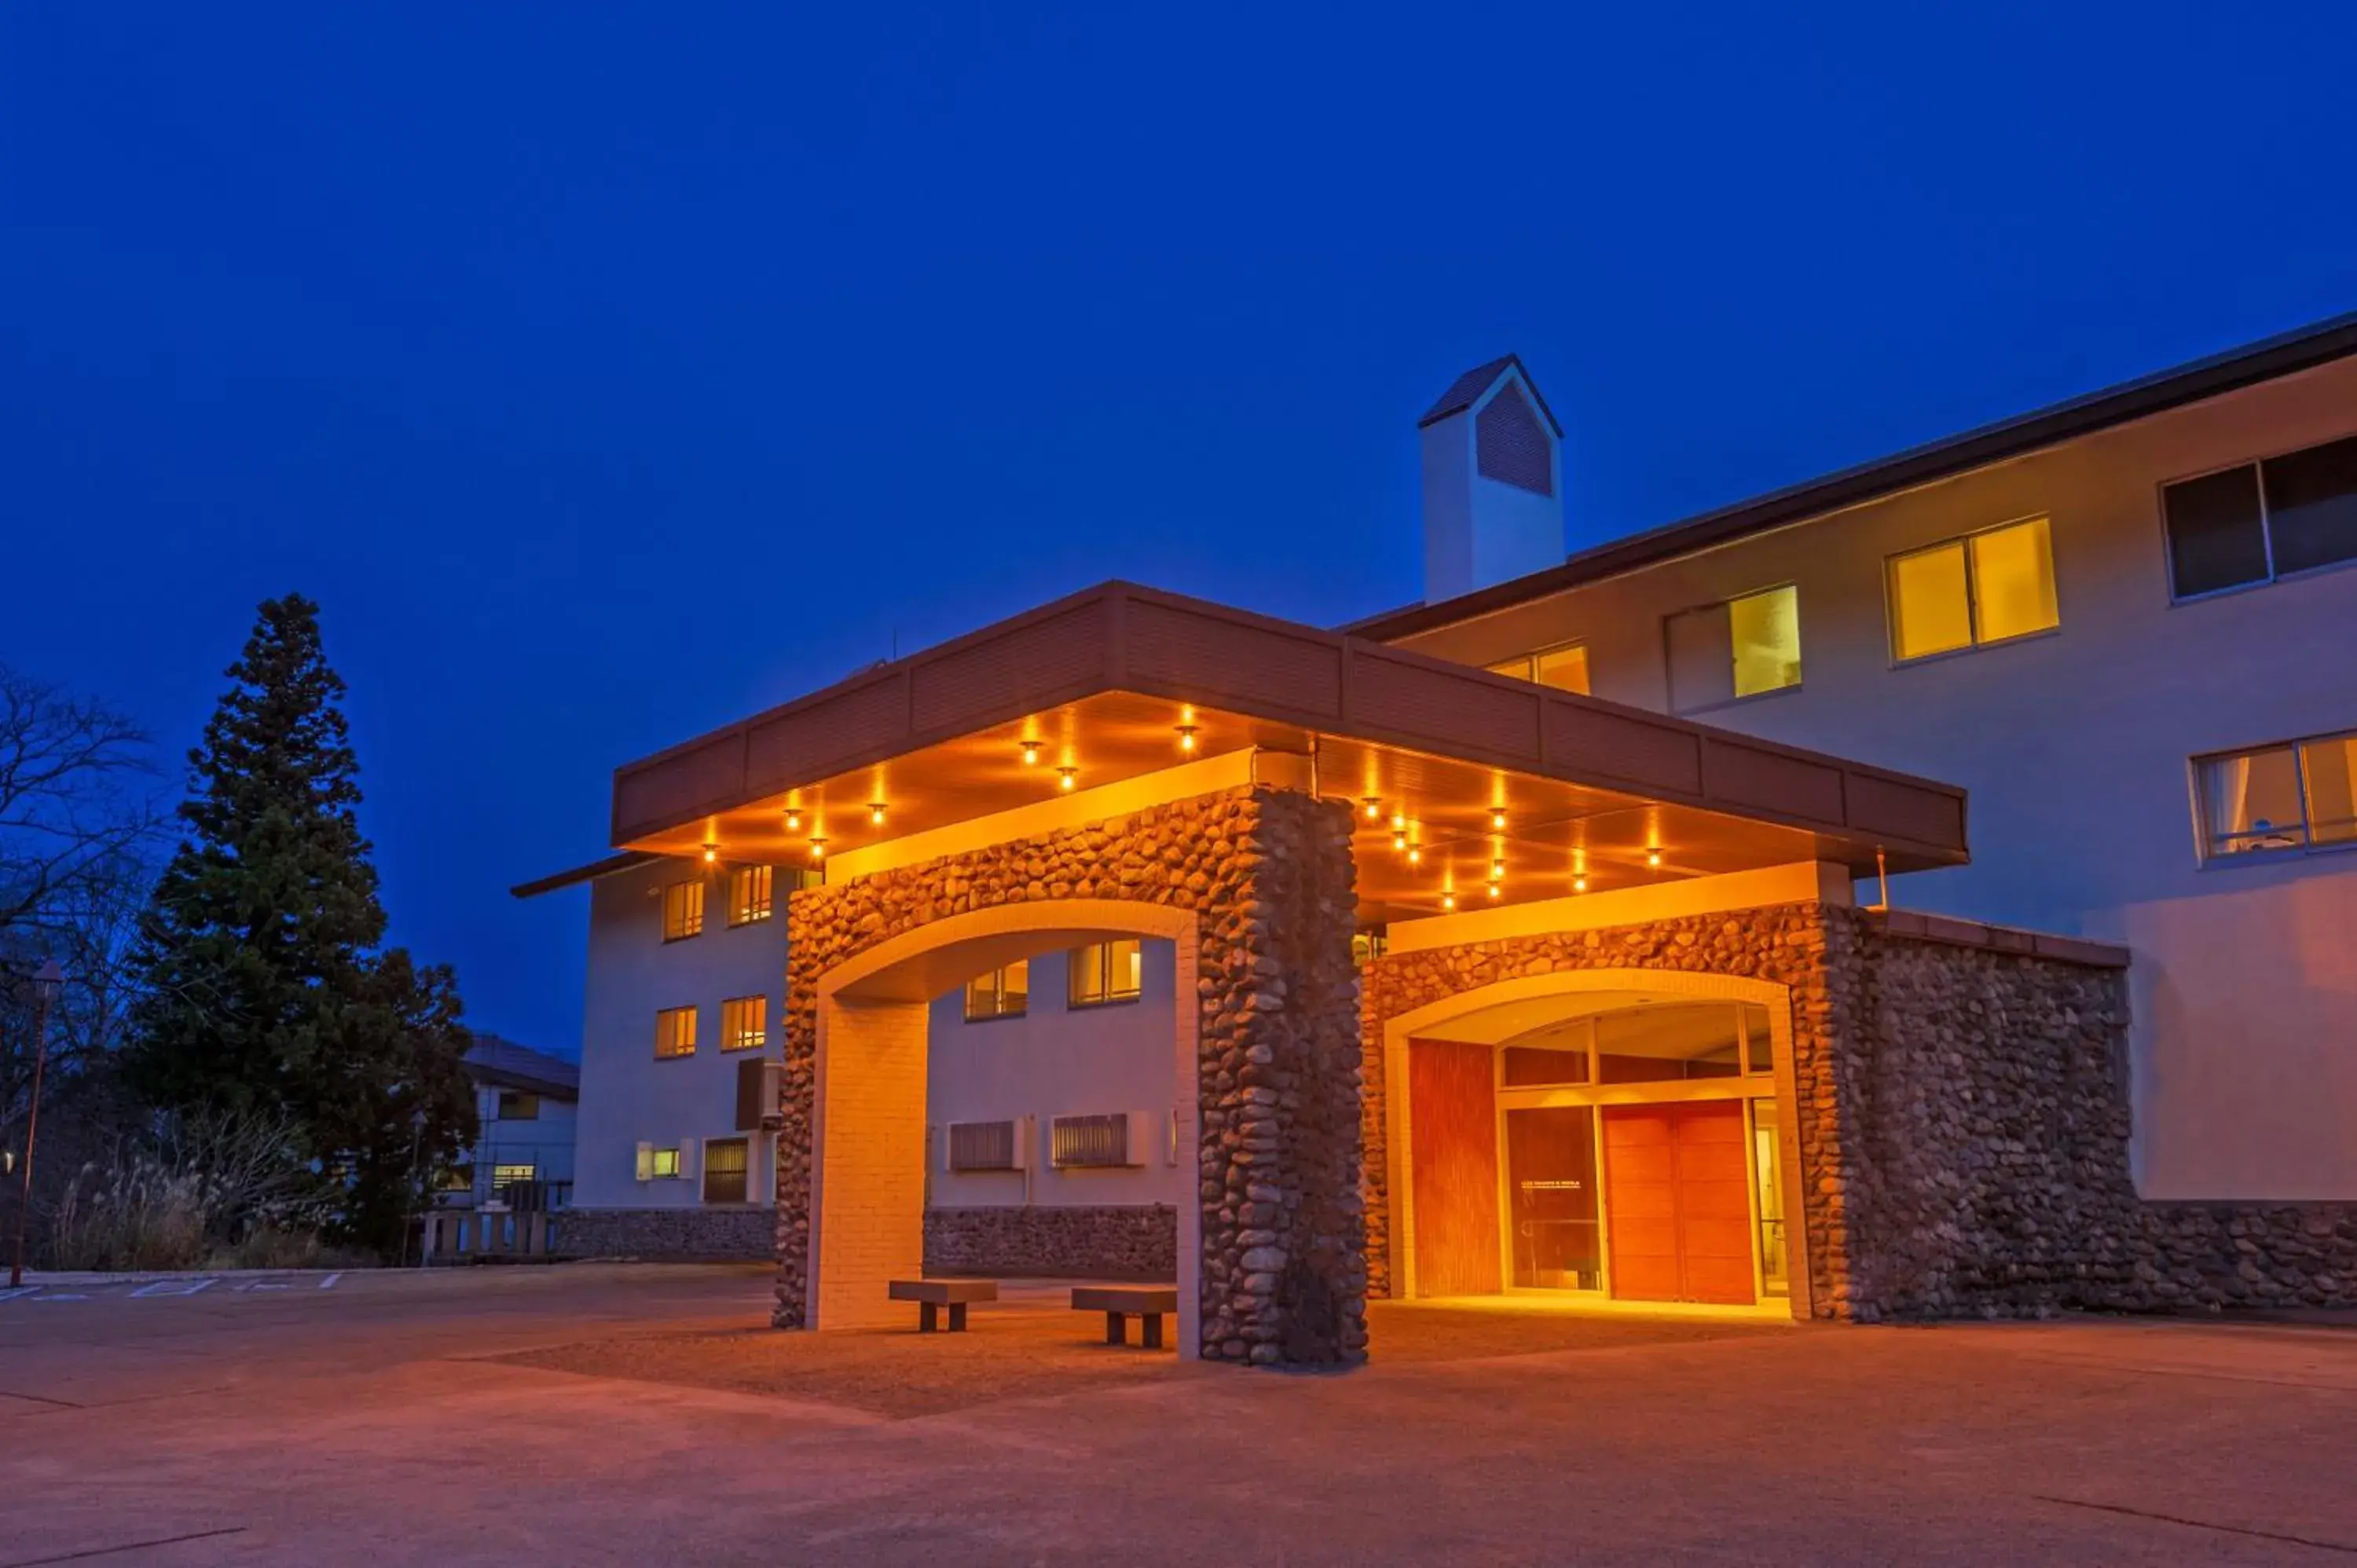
[{"x": 1453, "y": 1121}]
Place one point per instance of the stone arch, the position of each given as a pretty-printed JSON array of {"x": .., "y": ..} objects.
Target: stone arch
[
  {"x": 1683, "y": 985},
  {"x": 1255, "y": 885}
]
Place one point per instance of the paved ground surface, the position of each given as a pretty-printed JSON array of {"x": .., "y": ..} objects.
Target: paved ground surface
[{"x": 598, "y": 1414}]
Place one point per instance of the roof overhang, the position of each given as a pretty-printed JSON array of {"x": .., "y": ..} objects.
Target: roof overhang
[
  {"x": 1103, "y": 684},
  {"x": 2288, "y": 353},
  {"x": 610, "y": 866}
]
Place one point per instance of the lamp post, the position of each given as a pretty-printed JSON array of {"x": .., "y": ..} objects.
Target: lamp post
[{"x": 46, "y": 984}]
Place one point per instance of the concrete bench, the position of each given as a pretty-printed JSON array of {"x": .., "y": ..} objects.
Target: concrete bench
[
  {"x": 931, "y": 1296},
  {"x": 1148, "y": 1304}
]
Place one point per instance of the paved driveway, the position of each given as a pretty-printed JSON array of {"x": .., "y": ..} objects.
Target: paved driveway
[{"x": 600, "y": 1415}]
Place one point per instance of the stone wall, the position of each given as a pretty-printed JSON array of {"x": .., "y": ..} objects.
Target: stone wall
[
  {"x": 1268, "y": 873},
  {"x": 1961, "y": 1111},
  {"x": 675, "y": 1234},
  {"x": 1131, "y": 1241}
]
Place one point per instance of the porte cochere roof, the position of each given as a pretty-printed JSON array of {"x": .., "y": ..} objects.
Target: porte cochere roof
[{"x": 1456, "y": 776}]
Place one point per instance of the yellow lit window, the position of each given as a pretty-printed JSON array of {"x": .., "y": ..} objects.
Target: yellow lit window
[
  {"x": 2301, "y": 795},
  {"x": 1000, "y": 993},
  {"x": 1108, "y": 971},
  {"x": 1765, "y": 628},
  {"x": 1564, "y": 667},
  {"x": 675, "y": 1032},
  {"x": 1930, "y": 603},
  {"x": 683, "y": 910},
  {"x": 2013, "y": 580},
  {"x": 1985, "y": 587},
  {"x": 744, "y": 1023},
  {"x": 662, "y": 1163},
  {"x": 748, "y": 895}
]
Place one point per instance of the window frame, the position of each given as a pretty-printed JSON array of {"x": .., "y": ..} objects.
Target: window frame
[
  {"x": 1530, "y": 666},
  {"x": 1107, "y": 996},
  {"x": 2257, "y": 463},
  {"x": 734, "y": 1039},
  {"x": 997, "y": 977},
  {"x": 1963, "y": 542},
  {"x": 519, "y": 1098},
  {"x": 1725, "y": 607},
  {"x": 694, "y": 1028},
  {"x": 745, "y": 912},
  {"x": 655, "y": 1171},
  {"x": 2208, "y": 857},
  {"x": 689, "y": 884}
]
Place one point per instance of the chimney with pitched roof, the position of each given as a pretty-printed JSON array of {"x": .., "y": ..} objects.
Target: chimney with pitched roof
[{"x": 1492, "y": 482}]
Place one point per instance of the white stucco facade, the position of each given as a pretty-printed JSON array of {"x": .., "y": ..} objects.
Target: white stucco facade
[
  {"x": 628, "y": 1095},
  {"x": 1057, "y": 1060},
  {"x": 2077, "y": 746}
]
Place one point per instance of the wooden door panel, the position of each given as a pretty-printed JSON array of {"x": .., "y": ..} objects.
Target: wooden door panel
[
  {"x": 1640, "y": 1200},
  {"x": 1677, "y": 1202},
  {"x": 1453, "y": 1148},
  {"x": 1714, "y": 1202}
]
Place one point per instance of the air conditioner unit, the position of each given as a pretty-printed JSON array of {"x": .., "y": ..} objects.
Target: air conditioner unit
[
  {"x": 1115, "y": 1140},
  {"x": 974, "y": 1147}
]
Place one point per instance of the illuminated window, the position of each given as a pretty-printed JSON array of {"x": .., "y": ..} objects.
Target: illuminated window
[
  {"x": 683, "y": 910},
  {"x": 1766, "y": 627},
  {"x": 1369, "y": 945},
  {"x": 675, "y": 1032},
  {"x": 744, "y": 1023},
  {"x": 662, "y": 1163},
  {"x": 502, "y": 1175},
  {"x": 749, "y": 894},
  {"x": 1108, "y": 971},
  {"x": 2262, "y": 521},
  {"x": 1564, "y": 667},
  {"x": 1742, "y": 648},
  {"x": 725, "y": 1164},
  {"x": 458, "y": 1178},
  {"x": 1984, "y": 588},
  {"x": 2300, "y": 795},
  {"x": 1000, "y": 993}
]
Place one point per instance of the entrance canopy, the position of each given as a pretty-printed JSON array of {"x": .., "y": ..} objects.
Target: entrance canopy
[{"x": 1459, "y": 778}]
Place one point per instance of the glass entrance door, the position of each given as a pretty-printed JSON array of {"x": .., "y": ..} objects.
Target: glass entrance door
[{"x": 1556, "y": 1242}]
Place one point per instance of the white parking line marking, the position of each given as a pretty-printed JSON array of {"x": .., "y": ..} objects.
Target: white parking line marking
[
  {"x": 171, "y": 1287},
  {"x": 11, "y": 1292},
  {"x": 329, "y": 1282},
  {"x": 61, "y": 1295},
  {"x": 261, "y": 1284}
]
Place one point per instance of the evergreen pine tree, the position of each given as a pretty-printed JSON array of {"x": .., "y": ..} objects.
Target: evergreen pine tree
[{"x": 265, "y": 987}]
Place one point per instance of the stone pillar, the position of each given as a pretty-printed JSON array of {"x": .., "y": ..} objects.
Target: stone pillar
[{"x": 1285, "y": 1276}]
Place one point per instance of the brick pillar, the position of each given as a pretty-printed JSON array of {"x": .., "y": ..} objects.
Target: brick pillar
[{"x": 869, "y": 1195}]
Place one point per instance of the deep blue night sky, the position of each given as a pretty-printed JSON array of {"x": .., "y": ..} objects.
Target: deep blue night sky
[{"x": 610, "y": 372}]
